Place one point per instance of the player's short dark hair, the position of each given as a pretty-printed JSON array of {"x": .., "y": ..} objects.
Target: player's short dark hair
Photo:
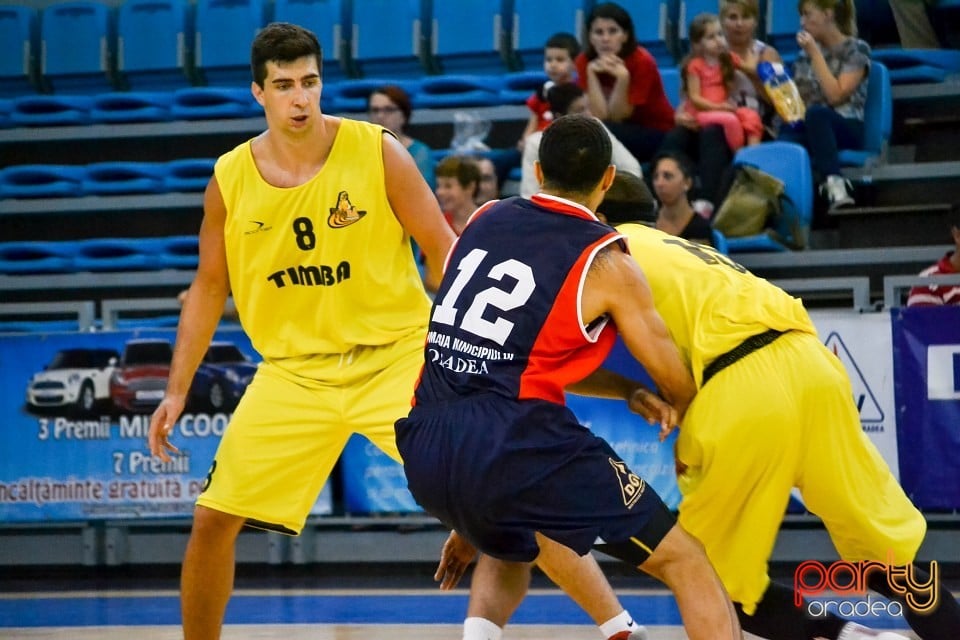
[
  {"x": 561, "y": 96},
  {"x": 282, "y": 42},
  {"x": 564, "y": 40},
  {"x": 575, "y": 151},
  {"x": 628, "y": 200},
  {"x": 955, "y": 215}
]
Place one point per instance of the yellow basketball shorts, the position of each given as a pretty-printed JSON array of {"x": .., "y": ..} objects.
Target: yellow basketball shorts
[
  {"x": 287, "y": 433},
  {"x": 784, "y": 417}
]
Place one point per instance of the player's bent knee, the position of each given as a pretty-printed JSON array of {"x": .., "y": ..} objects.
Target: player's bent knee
[{"x": 638, "y": 548}]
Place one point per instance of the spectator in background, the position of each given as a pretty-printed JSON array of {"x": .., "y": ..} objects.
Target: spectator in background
[
  {"x": 672, "y": 180},
  {"x": 708, "y": 83},
  {"x": 622, "y": 82},
  {"x": 458, "y": 179},
  {"x": 489, "y": 186},
  {"x": 569, "y": 99},
  {"x": 559, "y": 53},
  {"x": 389, "y": 106},
  {"x": 937, "y": 296},
  {"x": 831, "y": 73},
  {"x": 739, "y": 20},
  {"x": 913, "y": 24}
]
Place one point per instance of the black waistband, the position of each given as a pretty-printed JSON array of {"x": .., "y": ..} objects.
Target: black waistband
[{"x": 745, "y": 348}]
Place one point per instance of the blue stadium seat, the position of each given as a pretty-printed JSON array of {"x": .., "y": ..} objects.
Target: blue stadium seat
[
  {"x": 131, "y": 106},
  {"x": 719, "y": 241},
  {"x": 790, "y": 163},
  {"x": 116, "y": 254},
  {"x": 224, "y": 31},
  {"x": 532, "y": 26},
  {"x": 651, "y": 21},
  {"x": 48, "y": 110},
  {"x": 912, "y": 66},
  {"x": 188, "y": 174},
  {"x": 516, "y": 87},
  {"x": 41, "y": 181},
  {"x": 467, "y": 37},
  {"x": 351, "y": 95},
  {"x": 326, "y": 19},
  {"x": 877, "y": 120},
  {"x": 77, "y": 45},
  {"x": 117, "y": 178},
  {"x": 387, "y": 39},
  {"x": 782, "y": 24},
  {"x": 457, "y": 91},
  {"x": 689, "y": 9},
  {"x": 205, "y": 103},
  {"x": 178, "y": 252},
  {"x": 35, "y": 257},
  {"x": 6, "y": 108},
  {"x": 152, "y": 41},
  {"x": 18, "y": 50},
  {"x": 672, "y": 84}
]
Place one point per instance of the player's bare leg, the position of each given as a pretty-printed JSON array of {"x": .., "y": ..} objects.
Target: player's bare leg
[
  {"x": 206, "y": 579},
  {"x": 680, "y": 562}
]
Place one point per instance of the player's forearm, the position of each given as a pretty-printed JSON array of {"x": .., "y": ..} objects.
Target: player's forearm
[{"x": 604, "y": 383}]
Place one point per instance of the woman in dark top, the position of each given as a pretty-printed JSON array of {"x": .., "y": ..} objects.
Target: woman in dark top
[{"x": 672, "y": 180}]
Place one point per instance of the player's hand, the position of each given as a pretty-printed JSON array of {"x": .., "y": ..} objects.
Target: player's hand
[
  {"x": 161, "y": 426},
  {"x": 456, "y": 556},
  {"x": 654, "y": 410}
]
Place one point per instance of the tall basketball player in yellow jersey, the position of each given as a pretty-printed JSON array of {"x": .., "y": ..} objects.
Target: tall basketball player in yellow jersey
[{"x": 309, "y": 226}]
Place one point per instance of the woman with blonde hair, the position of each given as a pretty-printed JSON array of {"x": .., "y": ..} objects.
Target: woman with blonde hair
[{"x": 831, "y": 72}]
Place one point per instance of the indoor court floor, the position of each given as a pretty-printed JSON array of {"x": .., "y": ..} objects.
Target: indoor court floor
[{"x": 296, "y": 613}]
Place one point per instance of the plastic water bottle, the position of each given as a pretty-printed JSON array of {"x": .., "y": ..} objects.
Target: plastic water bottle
[{"x": 782, "y": 91}]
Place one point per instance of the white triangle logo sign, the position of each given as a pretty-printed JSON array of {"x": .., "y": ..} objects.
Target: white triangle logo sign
[{"x": 863, "y": 397}]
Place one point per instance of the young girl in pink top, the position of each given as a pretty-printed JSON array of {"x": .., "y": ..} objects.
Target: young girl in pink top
[{"x": 708, "y": 74}]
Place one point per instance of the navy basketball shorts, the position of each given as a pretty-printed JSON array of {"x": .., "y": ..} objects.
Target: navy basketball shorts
[{"x": 498, "y": 470}]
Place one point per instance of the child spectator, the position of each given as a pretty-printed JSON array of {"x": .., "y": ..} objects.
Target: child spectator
[
  {"x": 558, "y": 55},
  {"x": 940, "y": 295},
  {"x": 458, "y": 178},
  {"x": 708, "y": 77},
  {"x": 569, "y": 99}
]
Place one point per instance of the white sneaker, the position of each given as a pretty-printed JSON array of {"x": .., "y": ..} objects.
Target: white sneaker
[
  {"x": 854, "y": 631},
  {"x": 837, "y": 190},
  {"x": 637, "y": 633}
]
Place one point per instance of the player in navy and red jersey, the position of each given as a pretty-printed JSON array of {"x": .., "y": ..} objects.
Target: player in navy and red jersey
[{"x": 532, "y": 296}]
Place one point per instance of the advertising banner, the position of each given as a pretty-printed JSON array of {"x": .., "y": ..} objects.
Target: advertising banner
[
  {"x": 864, "y": 344},
  {"x": 76, "y": 410},
  {"x": 926, "y": 354}
]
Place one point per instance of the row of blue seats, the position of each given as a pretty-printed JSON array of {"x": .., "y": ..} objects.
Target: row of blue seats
[
  {"x": 98, "y": 255},
  {"x": 105, "y": 178},
  {"x": 88, "y": 46},
  {"x": 201, "y": 103}
]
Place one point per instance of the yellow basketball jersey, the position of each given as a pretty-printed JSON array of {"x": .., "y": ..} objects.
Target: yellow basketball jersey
[
  {"x": 709, "y": 302},
  {"x": 323, "y": 267}
]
